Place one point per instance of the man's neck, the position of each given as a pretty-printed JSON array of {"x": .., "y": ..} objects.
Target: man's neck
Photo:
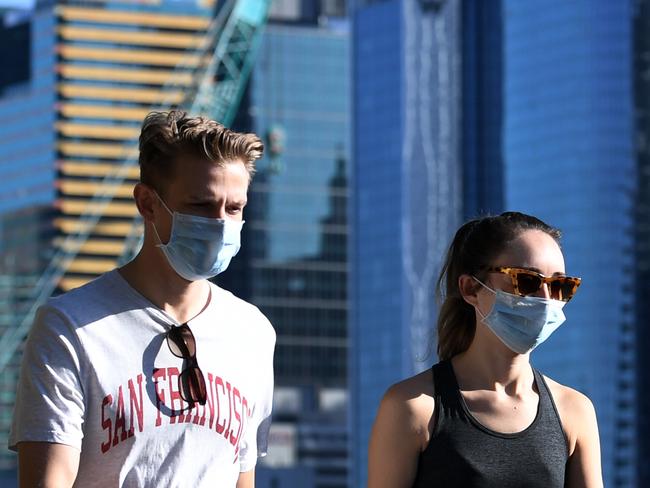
[{"x": 151, "y": 275}]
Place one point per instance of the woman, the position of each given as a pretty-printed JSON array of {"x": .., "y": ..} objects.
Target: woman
[{"x": 483, "y": 417}]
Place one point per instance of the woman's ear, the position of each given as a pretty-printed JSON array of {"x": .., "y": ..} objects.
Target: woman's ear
[{"x": 469, "y": 288}]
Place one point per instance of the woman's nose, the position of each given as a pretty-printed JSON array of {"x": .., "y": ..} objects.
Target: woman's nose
[{"x": 544, "y": 291}]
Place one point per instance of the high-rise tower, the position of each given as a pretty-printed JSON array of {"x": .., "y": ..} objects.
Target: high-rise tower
[
  {"x": 293, "y": 263},
  {"x": 406, "y": 189},
  {"x": 570, "y": 159}
]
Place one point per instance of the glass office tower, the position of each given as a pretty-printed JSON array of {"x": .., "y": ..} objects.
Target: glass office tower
[
  {"x": 570, "y": 160},
  {"x": 27, "y": 175},
  {"x": 406, "y": 190},
  {"x": 27, "y": 172},
  {"x": 293, "y": 262},
  {"x": 548, "y": 120},
  {"x": 642, "y": 228},
  {"x": 482, "y": 107}
]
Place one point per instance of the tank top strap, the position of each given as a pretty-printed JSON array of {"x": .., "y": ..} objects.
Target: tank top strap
[
  {"x": 547, "y": 406},
  {"x": 445, "y": 385},
  {"x": 446, "y": 395}
]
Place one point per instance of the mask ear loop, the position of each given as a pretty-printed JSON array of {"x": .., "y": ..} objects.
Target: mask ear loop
[
  {"x": 483, "y": 284},
  {"x": 164, "y": 204},
  {"x": 483, "y": 317},
  {"x": 160, "y": 244}
]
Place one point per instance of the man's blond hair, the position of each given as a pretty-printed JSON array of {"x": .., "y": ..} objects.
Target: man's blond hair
[{"x": 167, "y": 137}]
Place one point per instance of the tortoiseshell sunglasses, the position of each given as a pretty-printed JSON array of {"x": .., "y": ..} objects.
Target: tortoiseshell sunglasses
[{"x": 526, "y": 282}]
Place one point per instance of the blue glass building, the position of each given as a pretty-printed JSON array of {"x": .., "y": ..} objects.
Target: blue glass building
[
  {"x": 406, "y": 190},
  {"x": 482, "y": 107},
  {"x": 548, "y": 128},
  {"x": 570, "y": 159},
  {"x": 27, "y": 96},
  {"x": 27, "y": 175},
  {"x": 642, "y": 103},
  {"x": 293, "y": 261}
]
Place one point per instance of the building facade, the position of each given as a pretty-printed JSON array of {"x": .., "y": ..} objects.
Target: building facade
[
  {"x": 549, "y": 128},
  {"x": 642, "y": 232},
  {"x": 115, "y": 62},
  {"x": 293, "y": 263},
  {"x": 406, "y": 187},
  {"x": 79, "y": 79},
  {"x": 570, "y": 160},
  {"x": 482, "y": 107},
  {"x": 27, "y": 172},
  {"x": 27, "y": 180}
]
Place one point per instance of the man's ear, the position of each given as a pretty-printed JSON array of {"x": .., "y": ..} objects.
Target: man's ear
[
  {"x": 145, "y": 200},
  {"x": 469, "y": 288}
]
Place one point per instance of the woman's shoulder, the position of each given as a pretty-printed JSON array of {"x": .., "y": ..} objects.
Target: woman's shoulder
[
  {"x": 400, "y": 432},
  {"x": 576, "y": 411},
  {"x": 571, "y": 401},
  {"x": 411, "y": 403},
  {"x": 417, "y": 387}
]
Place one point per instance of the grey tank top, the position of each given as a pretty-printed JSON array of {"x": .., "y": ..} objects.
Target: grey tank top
[{"x": 464, "y": 453}]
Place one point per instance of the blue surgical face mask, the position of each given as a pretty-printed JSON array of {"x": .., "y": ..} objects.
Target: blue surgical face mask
[
  {"x": 522, "y": 323},
  {"x": 200, "y": 247}
]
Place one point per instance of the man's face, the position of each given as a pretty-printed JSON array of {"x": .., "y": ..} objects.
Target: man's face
[{"x": 204, "y": 189}]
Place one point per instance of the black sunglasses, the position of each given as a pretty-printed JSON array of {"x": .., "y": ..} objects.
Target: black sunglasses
[{"x": 191, "y": 383}]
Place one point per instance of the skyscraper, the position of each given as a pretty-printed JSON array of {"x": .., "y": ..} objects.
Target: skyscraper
[
  {"x": 642, "y": 233},
  {"x": 114, "y": 61},
  {"x": 27, "y": 174},
  {"x": 406, "y": 188},
  {"x": 293, "y": 261},
  {"x": 482, "y": 107},
  {"x": 548, "y": 120},
  {"x": 570, "y": 160}
]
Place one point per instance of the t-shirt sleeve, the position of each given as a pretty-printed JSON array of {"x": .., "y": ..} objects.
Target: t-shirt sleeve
[
  {"x": 49, "y": 399},
  {"x": 255, "y": 441}
]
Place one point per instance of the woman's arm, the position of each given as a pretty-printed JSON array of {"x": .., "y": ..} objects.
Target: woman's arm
[
  {"x": 399, "y": 434},
  {"x": 583, "y": 469}
]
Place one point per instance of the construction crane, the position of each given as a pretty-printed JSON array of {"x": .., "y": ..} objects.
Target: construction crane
[{"x": 225, "y": 58}]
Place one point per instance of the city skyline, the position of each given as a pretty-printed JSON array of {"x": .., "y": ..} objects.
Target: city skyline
[{"x": 383, "y": 135}]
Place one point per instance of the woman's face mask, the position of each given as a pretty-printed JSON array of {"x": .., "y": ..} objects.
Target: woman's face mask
[{"x": 522, "y": 323}]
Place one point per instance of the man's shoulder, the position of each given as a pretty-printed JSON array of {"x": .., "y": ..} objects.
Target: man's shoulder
[
  {"x": 247, "y": 313},
  {"x": 61, "y": 318},
  {"x": 227, "y": 299},
  {"x": 85, "y": 300}
]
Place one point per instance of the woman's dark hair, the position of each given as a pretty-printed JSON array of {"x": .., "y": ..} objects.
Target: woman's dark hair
[{"x": 475, "y": 245}]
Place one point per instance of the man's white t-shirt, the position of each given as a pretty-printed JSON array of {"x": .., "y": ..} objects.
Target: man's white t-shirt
[{"x": 98, "y": 375}]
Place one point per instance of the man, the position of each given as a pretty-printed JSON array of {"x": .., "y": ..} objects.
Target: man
[{"x": 151, "y": 375}]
